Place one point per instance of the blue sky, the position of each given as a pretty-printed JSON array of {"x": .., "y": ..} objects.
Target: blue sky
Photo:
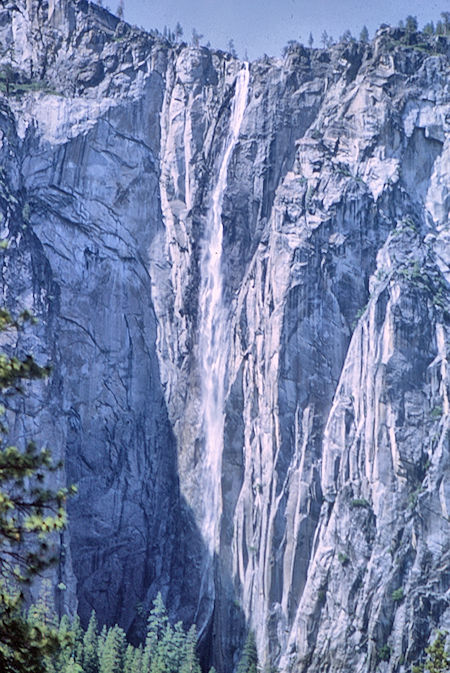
[{"x": 264, "y": 26}]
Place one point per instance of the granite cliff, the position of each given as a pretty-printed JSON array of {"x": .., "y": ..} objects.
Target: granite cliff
[{"x": 242, "y": 278}]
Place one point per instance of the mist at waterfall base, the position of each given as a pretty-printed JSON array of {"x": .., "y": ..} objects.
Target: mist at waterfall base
[{"x": 265, "y": 26}]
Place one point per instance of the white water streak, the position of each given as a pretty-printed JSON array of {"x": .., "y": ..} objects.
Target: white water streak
[{"x": 214, "y": 330}]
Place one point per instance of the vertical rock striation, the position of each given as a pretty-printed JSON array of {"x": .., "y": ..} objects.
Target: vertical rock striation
[{"x": 284, "y": 227}]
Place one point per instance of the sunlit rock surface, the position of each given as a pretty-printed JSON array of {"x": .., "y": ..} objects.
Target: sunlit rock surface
[{"x": 329, "y": 490}]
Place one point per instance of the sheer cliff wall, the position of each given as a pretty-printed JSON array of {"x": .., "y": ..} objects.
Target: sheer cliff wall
[{"x": 329, "y": 490}]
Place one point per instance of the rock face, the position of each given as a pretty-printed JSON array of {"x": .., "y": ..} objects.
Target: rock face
[{"x": 283, "y": 226}]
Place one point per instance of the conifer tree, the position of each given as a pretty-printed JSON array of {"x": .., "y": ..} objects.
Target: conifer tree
[
  {"x": 137, "y": 661},
  {"x": 446, "y": 22},
  {"x": 190, "y": 662},
  {"x": 364, "y": 35},
  {"x": 156, "y": 627},
  {"x": 196, "y": 37},
  {"x": 111, "y": 660},
  {"x": 178, "y": 32},
  {"x": 77, "y": 635},
  {"x": 249, "y": 659},
  {"x": 440, "y": 28},
  {"x": 72, "y": 667},
  {"x": 128, "y": 659},
  {"x": 232, "y": 48},
  {"x": 29, "y": 513},
  {"x": 411, "y": 24},
  {"x": 90, "y": 646},
  {"x": 64, "y": 656},
  {"x": 43, "y": 611},
  {"x": 438, "y": 660},
  {"x": 101, "y": 641}
]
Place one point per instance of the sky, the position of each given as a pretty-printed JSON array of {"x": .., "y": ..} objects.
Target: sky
[{"x": 265, "y": 26}]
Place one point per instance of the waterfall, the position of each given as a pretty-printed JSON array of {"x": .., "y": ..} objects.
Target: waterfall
[{"x": 214, "y": 337}]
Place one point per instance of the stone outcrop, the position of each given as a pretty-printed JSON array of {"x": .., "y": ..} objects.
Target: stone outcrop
[{"x": 321, "y": 518}]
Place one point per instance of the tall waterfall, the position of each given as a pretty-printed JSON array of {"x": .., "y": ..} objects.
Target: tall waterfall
[{"x": 214, "y": 337}]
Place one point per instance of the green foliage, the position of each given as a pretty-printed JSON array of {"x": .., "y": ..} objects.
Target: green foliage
[
  {"x": 190, "y": 662},
  {"x": 384, "y": 653},
  {"x": 249, "y": 658},
  {"x": 156, "y": 626},
  {"x": 90, "y": 646},
  {"x": 326, "y": 40},
  {"x": 438, "y": 660},
  {"x": 178, "y": 32},
  {"x": 364, "y": 35},
  {"x": 167, "y": 649},
  {"x": 346, "y": 36},
  {"x": 113, "y": 652},
  {"x": 24, "y": 645},
  {"x": 398, "y": 595},
  {"x": 196, "y": 37},
  {"x": 411, "y": 25},
  {"x": 29, "y": 513},
  {"x": 343, "y": 558},
  {"x": 359, "y": 315},
  {"x": 360, "y": 502}
]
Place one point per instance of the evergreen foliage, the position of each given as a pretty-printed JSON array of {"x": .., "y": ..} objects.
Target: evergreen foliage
[
  {"x": 90, "y": 647},
  {"x": 113, "y": 652},
  {"x": 411, "y": 25},
  {"x": 438, "y": 659},
  {"x": 168, "y": 649},
  {"x": 249, "y": 659},
  {"x": 29, "y": 513},
  {"x": 364, "y": 35}
]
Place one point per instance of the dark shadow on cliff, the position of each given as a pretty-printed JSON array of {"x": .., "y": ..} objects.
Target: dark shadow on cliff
[{"x": 120, "y": 575}]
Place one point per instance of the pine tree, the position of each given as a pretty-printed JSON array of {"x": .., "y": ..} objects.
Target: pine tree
[
  {"x": 411, "y": 24},
  {"x": 440, "y": 28},
  {"x": 446, "y": 22},
  {"x": 310, "y": 40},
  {"x": 156, "y": 627},
  {"x": 438, "y": 660},
  {"x": 72, "y": 667},
  {"x": 178, "y": 32},
  {"x": 346, "y": 36},
  {"x": 29, "y": 513},
  {"x": 77, "y": 636},
  {"x": 90, "y": 646},
  {"x": 190, "y": 662},
  {"x": 364, "y": 35},
  {"x": 64, "y": 657},
  {"x": 43, "y": 611},
  {"x": 128, "y": 659},
  {"x": 101, "y": 641},
  {"x": 249, "y": 659},
  {"x": 232, "y": 48},
  {"x": 196, "y": 37},
  {"x": 137, "y": 661},
  {"x": 165, "y": 653},
  {"x": 111, "y": 660}
]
